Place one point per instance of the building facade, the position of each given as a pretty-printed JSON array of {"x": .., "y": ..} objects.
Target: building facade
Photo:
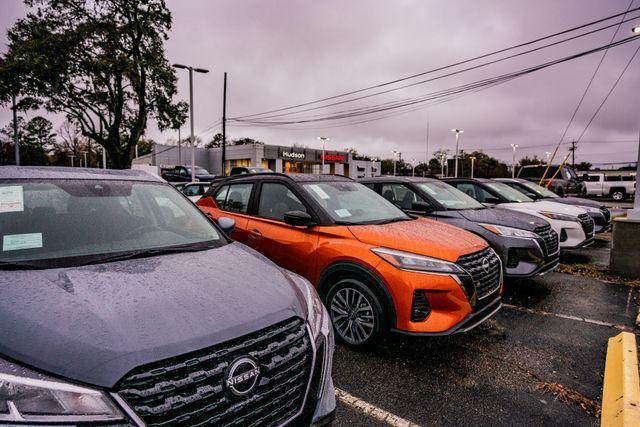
[{"x": 275, "y": 157}]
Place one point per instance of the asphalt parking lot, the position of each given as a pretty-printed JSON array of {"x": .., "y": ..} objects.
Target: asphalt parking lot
[{"x": 551, "y": 335}]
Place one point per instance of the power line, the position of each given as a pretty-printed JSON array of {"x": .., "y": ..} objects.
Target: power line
[{"x": 589, "y": 24}]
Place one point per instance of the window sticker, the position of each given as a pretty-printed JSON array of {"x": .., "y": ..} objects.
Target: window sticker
[
  {"x": 15, "y": 242},
  {"x": 320, "y": 192},
  {"x": 11, "y": 199},
  {"x": 342, "y": 213}
]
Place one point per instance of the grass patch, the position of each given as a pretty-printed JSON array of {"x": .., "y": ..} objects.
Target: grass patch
[
  {"x": 570, "y": 397},
  {"x": 598, "y": 272}
]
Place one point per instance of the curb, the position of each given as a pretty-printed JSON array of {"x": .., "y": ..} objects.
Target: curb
[{"x": 621, "y": 388}]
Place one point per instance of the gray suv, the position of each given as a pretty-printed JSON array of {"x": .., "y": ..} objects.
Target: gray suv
[
  {"x": 526, "y": 244},
  {"x": 121, "y": 303}
]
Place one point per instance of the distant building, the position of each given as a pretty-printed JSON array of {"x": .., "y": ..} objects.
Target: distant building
[{"x": 275, "y": 157}]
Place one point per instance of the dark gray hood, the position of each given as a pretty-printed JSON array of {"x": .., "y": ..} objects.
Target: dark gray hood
[
  {"x": 508, "y": 218},
  {"x": 95, "y": 323}
]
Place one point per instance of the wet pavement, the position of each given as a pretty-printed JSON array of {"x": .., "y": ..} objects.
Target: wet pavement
[{"x": 552, "y": 329}]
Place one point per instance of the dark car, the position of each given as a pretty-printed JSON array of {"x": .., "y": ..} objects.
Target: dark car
[
  {"x": 183, "y": 174},
  {"x": 597, "y": 211},
  {"x": 526, "y": 244},
  {"x": 561, "y": 179},
  {"x": 121, "y": 303},
  {"x": 241, "y": 170}
]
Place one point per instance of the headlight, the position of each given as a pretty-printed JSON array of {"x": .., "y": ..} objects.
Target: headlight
[
  {"x": 591, "y": 209},
  {"x": 415, "y": 262},
  {"x": 559, "y": 217},
  {"x": 317, "y": 315},
  {"x": 29, "y": 397},
  {"x": 509, "y": 231}
]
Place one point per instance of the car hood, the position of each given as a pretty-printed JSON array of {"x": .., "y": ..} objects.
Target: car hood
[
  {"x": 95, "y": 323},
  {"x": 510, "y": 218},
  {"x": 543, "y": 205},
  {"x": 421, "y": 236},
  {"x": 577, "y": 201}
]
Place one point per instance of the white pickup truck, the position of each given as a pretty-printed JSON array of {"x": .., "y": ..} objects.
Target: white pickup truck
[{"x": 615, "y": 186}]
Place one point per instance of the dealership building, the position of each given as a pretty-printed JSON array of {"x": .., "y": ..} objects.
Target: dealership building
[{"x": 275, "y": 157}]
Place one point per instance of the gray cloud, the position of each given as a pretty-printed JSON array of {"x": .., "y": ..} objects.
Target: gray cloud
[{"x": 279, "y": 53}]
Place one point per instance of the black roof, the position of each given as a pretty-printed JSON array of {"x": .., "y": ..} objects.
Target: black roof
[
  {"x": 481, "y": 180},
  {"x": 57, "y": 172},
  {"x": 391, "y": 178}
]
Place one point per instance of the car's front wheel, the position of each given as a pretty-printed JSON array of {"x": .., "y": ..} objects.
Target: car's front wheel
[
  {"x": 356, "y": 313},
  {"x": 618, "y": 195}
]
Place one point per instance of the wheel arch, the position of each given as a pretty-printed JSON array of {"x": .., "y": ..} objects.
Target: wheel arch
[{"x": 353, "y": 269}]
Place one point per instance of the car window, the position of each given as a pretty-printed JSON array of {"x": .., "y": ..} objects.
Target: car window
[
  {"x": 276, "y": 199},
  {"x": 613, "y": 178},
  {"x": 508, "y": 193},
  {"x": 400, "y": 195},
  {"x": 628, "y": 178},
  {"x": 192, "y": 190},
  {"x": 353, "y": 203},
  {"x": 235, "y": 197},
  {"x": 449, "y": 196},
  {"x": 50, "y": 224},
  {"x": 183, "y": 172},
  {"x": 593, "y": 178},
  {"x": 533, "y": 172}
]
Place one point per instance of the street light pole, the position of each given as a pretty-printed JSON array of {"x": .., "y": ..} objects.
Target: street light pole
[
  {"x": 458, "y": 132},
  {"x": 473, "y": 159},
  {"x": 323, "y": 139},
  {"x": 513, "y": 161},
  {"x": 413, "y": 167},
  {"x": 16, "y": 140},
  {"x": 192, "y": 137},
  {"x": 395, "y": 155}
]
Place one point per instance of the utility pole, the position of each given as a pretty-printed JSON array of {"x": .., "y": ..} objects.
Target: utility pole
[
  {"x": 573, "y": 153},
  {"x": 473, "y": 159},
  {"x": 427, "y": 159},
  {"x": 224, "y": 125},
  {"x": 104, "y": 158},
  {"x": 16, "y": 141},
  {"x": 513, "y": 161},
  {"x": 179, "y": 147}
]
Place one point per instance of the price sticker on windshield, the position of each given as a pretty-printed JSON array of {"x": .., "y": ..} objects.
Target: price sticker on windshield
[
  {"x": 15, "y": 242},
  {"x": 11, "y": 199}
]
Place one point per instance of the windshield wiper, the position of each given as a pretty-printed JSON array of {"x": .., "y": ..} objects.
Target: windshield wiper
[
  {"x": 147, "y": 253},
  {"x": 390, "y": 220},
  {"x": 8, "y": 265}
]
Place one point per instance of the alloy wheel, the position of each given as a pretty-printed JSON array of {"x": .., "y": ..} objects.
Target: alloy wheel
[
  {"x": 618, "y": 195},
  {"x": 352, "y": 315}
]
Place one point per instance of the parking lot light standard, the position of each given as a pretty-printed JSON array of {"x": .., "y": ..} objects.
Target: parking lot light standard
[
  {"x": 513, "y": 161},
  {"x": 458, "y": 132},
  {"x": 634, "y": 214},
  {"x": 323, "y": 139},
  {"x": 192, "y": 137},
  {"x": 473, "y": 159},
  {"x": 395, "y": 156}
]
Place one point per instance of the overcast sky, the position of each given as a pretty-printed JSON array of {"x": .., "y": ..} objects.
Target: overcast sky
[{"x": 279, "y": 53}]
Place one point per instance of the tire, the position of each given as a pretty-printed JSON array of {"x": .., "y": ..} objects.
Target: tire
[
  {"x": 356, "y": 313},
  {"x": 618, "y": 195}
]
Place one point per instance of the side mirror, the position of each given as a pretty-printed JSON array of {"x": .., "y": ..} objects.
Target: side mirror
[
  {"x": 298, "y": 219},
  {"x": 421, "y": 207},
  {"x": 228, "y": 225},
  {"x": 491, "y": 200},
  {"x": 533, "y": 196}
]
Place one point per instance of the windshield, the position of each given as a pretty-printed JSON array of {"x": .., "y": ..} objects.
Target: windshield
[
  {"x": 62, "y": 223},
  {"x": 540, "y": 190},
  {"x": 353, "y": 203},
  {"x": 508, "y": 193},
  {"x": 199, "y": 171},
  {"x": 449, "y": 196}
]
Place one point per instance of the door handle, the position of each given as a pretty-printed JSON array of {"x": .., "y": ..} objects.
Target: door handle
[{"x": 256, "y": 234}]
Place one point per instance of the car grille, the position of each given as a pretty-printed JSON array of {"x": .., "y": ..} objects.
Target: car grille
[
  {"x": 486, "y": 281},
  {"x": 550, "y": 238},
  {"x": 587, "y": 224},
  {"x": 189, "y": 390}
]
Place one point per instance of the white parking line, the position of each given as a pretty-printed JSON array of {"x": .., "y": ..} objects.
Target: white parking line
[
  {"x": 372, "y": 411},
  {"x": 566, "y": 316}
]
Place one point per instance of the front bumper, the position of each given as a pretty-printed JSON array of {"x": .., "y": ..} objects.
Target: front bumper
[
  {"x": 601, "y": 220},
  {"x": 523, "y": 258},
  {"x": 472, "y": 320}
]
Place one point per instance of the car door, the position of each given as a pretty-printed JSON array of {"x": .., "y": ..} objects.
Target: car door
[
  {"x": 403, "y": 197},
  {"x": 293, "y": 248},
  {"x": 232, "y": 200}
]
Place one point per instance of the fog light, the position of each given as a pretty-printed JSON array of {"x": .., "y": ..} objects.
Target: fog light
[
  {"x": 563, "y": 235},
  {"x": 512, "y": 258},
  {"x": 420, "y": 307}
]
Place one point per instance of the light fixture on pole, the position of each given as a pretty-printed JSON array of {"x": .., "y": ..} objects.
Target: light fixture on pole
[
  {"x": 323, "y": 139},
  {"x": 513, "y": 161},
  {"x": 192, "y": 138},
  {"x": 395, "y": 155},
  {"x": 458, "y": 132},
  {"x": 413, "y": 167},
  {"x": 473, "y": 159}
]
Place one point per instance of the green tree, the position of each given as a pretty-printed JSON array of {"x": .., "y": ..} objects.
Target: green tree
[
  {"x": 38, "y": 140},
  {"x": 215, "y": 142},
  {"x": 101, "y": 63},
  {"x": 583, "y": 166},
  {"x": 7, "y": 152}
]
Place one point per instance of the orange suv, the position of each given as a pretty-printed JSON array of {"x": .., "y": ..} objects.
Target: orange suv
[{"x": 376, "y": 268}]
